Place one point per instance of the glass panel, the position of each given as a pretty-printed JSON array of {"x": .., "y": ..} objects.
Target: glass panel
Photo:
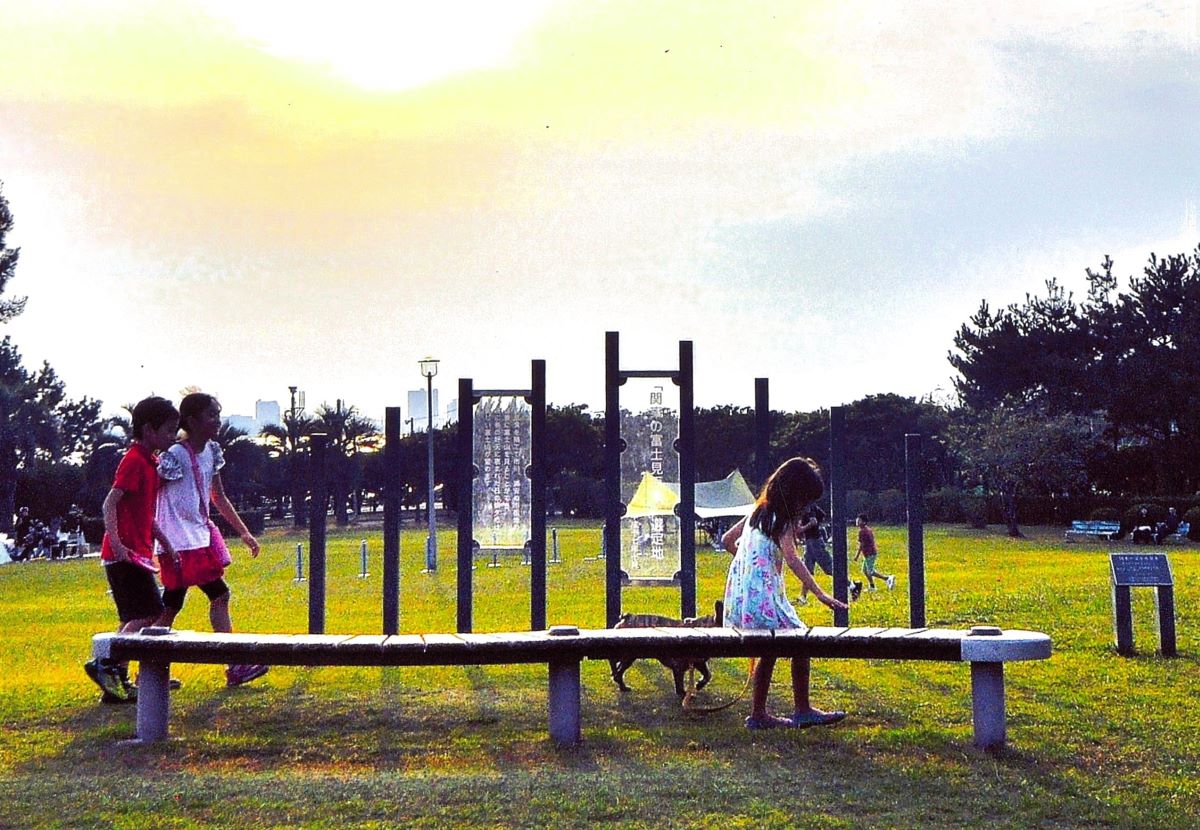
[
  {"x": 650, "y": 479},
  {"x": 501, "y": 492}
]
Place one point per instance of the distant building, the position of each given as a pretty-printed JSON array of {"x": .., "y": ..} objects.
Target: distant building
[
  {"x": 451, "y": 416},
  {"x": 267, "y": 412},
  {"x": 245, "y": 423},
  {"x": 418, "y": 412}
]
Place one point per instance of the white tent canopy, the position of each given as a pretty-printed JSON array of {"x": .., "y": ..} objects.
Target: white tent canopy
[{"x": 730, "y": 496}]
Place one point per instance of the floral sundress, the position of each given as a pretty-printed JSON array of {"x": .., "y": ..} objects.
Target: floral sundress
[{"x": 754, "y": 591}]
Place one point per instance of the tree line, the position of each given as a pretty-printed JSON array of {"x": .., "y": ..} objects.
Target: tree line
[{"x": 1086, "y": 403}]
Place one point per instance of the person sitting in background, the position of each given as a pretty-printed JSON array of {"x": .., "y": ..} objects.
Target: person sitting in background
[{"x": 1166, "y": 527}]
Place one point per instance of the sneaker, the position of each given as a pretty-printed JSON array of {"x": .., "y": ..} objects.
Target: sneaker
[
  {"x": 802, "y": 600},
  {"x": 109, "y": 698},
  {"x": 855, "y": 590},
  {"x": 244, "y": 673},
  {"x": 891, "y": 582},
  {"x": 804, "y": 720},
  {"x": 108, "y": 678},
  {"x": 871, "y": 589}
]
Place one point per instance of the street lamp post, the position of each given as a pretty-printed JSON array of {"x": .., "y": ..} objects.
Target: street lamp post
[{"x": 429, "y": 367}]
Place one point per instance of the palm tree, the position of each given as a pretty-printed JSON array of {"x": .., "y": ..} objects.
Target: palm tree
[
  {"x": 349, "y": 433},
  {"x": 286, "y": 441}
]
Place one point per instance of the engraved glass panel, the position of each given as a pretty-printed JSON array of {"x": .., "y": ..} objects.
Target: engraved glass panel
[
  {"x": 650, "y": 534},
  {"x": 501, "y": 492}
]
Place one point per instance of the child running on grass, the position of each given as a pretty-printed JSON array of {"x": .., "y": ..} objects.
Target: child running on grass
[
  {"x": 754, "y": 592},
  {"x": 129, "y": 532},
  {"x": 869, "y": 552},
  {"x": 190, "y": 474}
]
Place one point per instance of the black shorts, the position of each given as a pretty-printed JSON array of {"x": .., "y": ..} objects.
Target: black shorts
[
  {"x": 213, "y": 590},
  {"x": 134, "y": 591}
]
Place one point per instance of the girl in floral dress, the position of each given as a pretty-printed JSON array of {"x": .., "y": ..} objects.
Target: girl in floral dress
[{"x": 754, "y": 591}]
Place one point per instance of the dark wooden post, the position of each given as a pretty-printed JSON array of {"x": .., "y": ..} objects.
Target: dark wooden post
[
  {"x": 391, "y": 520},
  {"x": 466, "y": 504},
  {"x": 915, "y": 497},
  {"x": 762, "y": 434},
  {"x": 686, "y": 447},
  {"x": 537, "y": 500},
  {"x": 837, "y": 508},
  {"x": 612, "y": 478},
  {"x": 319, "y": 489}
]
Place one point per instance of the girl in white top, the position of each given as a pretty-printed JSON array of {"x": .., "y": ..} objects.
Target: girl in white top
[{"x": 183, "y": 517}]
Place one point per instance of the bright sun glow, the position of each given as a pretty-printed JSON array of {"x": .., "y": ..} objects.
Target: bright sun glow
[{"x": 386, "y": 45}]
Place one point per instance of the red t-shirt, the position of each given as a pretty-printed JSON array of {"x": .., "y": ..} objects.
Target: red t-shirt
[
  {"x": 137, "y": 476},
  {"x": 866, "y": 541}
]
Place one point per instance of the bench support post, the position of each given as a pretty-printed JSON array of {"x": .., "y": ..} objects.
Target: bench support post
[
  {"x": 987, "y": 704},
  {"x": 154, "y": 701},
  {"x": 564, "y": 702}
]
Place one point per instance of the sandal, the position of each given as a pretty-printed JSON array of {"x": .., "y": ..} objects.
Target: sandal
[
  {"x": 813, "y": 717},
  {"x": 766, "y": 722}
]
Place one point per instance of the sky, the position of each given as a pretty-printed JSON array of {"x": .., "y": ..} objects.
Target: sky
[{"x": 246, "y": 196}]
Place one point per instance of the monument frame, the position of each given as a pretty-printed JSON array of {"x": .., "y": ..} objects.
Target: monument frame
[
  {"x": 468, "y": 397},
  {"x": 684, "y": 445}
]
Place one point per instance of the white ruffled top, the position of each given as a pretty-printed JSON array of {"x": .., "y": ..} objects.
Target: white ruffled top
[{"x": 179, "y": 513}]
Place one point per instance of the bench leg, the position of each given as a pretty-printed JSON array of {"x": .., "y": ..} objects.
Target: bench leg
[
  {"x": 153, "y": 702},
  {"x": 564, "y": 703},
  {"x": 987, "y": 705}
]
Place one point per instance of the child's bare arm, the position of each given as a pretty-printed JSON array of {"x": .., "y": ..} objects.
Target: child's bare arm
[
  {"x": 788, "y": 545},
  {"x": 162, "y": 540},
  {"x": 109, "y": 511},
  {"x": 730, "y": 539},
  {"x": 226, "y": 509}
]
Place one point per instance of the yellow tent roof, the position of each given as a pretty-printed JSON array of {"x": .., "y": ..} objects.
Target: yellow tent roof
[{"x": 652, "y": 498}]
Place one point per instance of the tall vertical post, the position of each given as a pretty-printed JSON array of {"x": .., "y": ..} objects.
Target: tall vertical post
[
  {"x": 837, "y": 508},
  {"x": 431, "y": 540},
  {"x": 612, "y": 477},
  {"x": 762, "y": 433},
  {"x": 1123, "y": 619},
  {"x": 391, "y": 520},
  {"x": 915, "y": 497},
  {"x": 466, "y": 503},
  {"x": 537, "y": 498},
  {"x": 316, "y": 536},
  {"x": 686, "y": 447},
  {"x": 1164, "y": 605}
]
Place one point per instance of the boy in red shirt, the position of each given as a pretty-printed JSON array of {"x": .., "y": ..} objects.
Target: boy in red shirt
[
  {"x": 127, "y": 552},
  {"x": 868, "y": 551}
]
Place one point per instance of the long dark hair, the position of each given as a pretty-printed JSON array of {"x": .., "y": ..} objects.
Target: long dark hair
[
  {"x": 794, "y": 485},
  {"x": 192, "y": 405}
]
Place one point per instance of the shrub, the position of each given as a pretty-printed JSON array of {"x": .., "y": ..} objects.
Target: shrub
[
  {"x": 1154, "y": 513},
  {"x": 93, "y": 530},
  {"x": 891, "y": 507},
  {"x": 256, "y": 521},
  {"x": 975, "y": 511},
  {"x": 1105, "y": 514},
  {"x": 860, "y": 501},
  {"x": 945, "y": 505},
  {"x": 1192, "y": 517}
]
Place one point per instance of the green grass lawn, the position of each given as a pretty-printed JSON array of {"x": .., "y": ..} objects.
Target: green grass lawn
[{"x": 1095, "y": 740}]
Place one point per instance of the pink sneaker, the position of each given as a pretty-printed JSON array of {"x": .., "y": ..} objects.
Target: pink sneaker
[{"x": 244, "y": 673}]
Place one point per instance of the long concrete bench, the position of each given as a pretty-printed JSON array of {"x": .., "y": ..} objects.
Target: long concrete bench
[{"x": 563, "y": 648}]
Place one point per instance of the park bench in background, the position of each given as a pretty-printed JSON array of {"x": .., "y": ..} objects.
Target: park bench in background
[
  {"x": 1093, "y": 530},
  {"x": 1180, "y": 535},
  {"x": 563, "y": 649}
]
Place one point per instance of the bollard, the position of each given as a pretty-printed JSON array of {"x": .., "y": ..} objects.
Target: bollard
[
  {"x": 299, "y": 563},
  {"x": 554, "y": 559},
  {"x": 363, "y": 549}
]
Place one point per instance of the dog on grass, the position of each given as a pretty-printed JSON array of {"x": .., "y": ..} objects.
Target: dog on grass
[{"x": 677, "y": 665}]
